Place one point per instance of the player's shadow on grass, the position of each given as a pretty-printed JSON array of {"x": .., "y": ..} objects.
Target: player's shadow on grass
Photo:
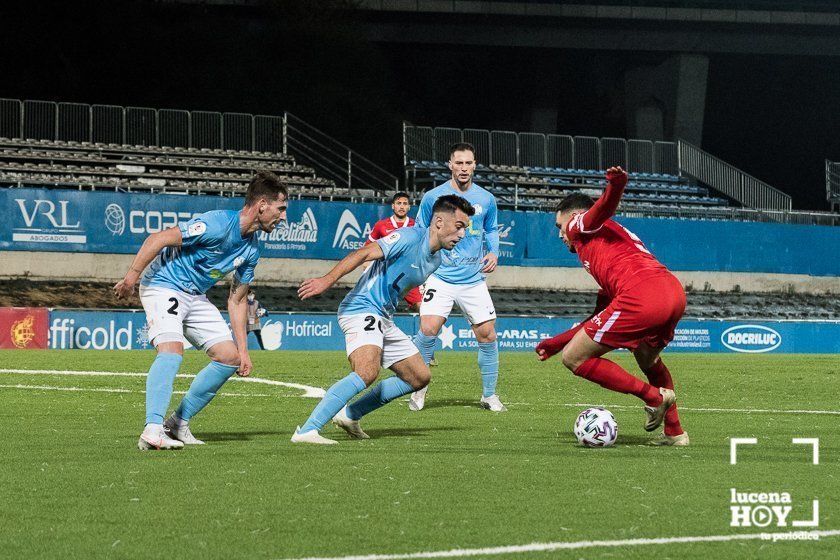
[
  {"x": 441, "y": 403},
  {"x": 237, "y": 436},
  {"x": 408, "y": 432}
]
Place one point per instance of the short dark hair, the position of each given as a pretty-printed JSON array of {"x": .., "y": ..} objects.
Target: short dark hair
[
  {"x": 265, "y": 184},
  {"x": 450, "y": 203},
  {"x": 575, "y": 201},
  {"x": 400, "y": 194},
  {"x": 461, "y": 147}
]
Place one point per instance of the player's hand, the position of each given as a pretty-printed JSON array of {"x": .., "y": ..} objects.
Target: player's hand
[
  {"x": 124, "y": 288},
  {"x": 548, "y": 348},
  {"x": 245, "y": 365},
  {"x": 490, "y": 262},
  {"x": 314, "y": 286},
  {"x": 617, "y": 177}
]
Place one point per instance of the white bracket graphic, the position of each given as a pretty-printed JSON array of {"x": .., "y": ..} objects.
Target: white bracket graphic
[
  {"x": 814, "y": 442},
  {"x": 733, "y": 447}
]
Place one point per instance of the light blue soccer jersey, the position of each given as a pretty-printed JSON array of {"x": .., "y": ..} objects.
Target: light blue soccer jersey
[
  {"x": 408, "y": 261},
  {"x": 211, "y": 247},
  {"x": 462, "y": 265}
]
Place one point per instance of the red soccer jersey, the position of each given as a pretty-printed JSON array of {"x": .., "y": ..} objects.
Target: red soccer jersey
[
  {"x": 385, "y": 226},
  {"x": 612, "y": 254}
]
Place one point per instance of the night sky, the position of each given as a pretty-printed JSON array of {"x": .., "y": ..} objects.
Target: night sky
[{"x": 775, "y": 117}]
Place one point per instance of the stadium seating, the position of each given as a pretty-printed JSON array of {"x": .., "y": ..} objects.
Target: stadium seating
[
  {"x": 68, "y": 164},
  {"x": 541, "y": 187}
]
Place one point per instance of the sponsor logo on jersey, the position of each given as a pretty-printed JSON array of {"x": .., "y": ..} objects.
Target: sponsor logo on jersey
[
  {"x": 478, "y": 209},
  {"x": 349, "y": 234},
  {"x": 196, "y": 229},
  {"x": 751, "y": 338},
  {"x": 391, "y": 239}
]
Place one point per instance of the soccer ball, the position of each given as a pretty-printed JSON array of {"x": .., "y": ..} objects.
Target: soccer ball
[{"x": 596, "y": 427}]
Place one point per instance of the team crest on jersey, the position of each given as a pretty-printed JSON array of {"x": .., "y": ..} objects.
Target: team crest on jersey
[
  {"x": 478, "y": 209},
  {"x": 196, "y": 229},
  {"x": 391, "y": 239},
  {"x": 237, "y": 262}
]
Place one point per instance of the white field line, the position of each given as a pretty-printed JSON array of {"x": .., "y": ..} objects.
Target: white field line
[
  {"x": 104, "y": 390},
  {"x": 308, "y": 391},
  {"x": 552, "y": 546}
]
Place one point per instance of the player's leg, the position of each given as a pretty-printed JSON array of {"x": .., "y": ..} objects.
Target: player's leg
[
  {"x": 583, "y": 357},
  {"x": 206, "y": 329},
  {"x": 364, "y": 341},
  {"x": 164, "y": 310},
  {"x": 258, "y": 334},
  {"x": 400, "y": 355},
  {"x": 477, "y": 305},
  {"x": 438, "y": 299},
  {"x": 224, "y": 361},
  {"x": 654, "y": 368}
]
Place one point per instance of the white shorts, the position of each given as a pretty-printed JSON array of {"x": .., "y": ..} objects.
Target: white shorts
[
  {"x": 175, "y": 316},
  {"x": 473, "y": 299},
  {"x": 370, "y": 329}
]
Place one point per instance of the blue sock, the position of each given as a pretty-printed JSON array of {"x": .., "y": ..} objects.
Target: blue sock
[
  {"x": 488, "y": 363},
  {"x": 380, "y": 395},
  {"x": 203, "y": 388},
  {"x": 159, "y": 386},
  {"x": 426, "y": 345},
  {"x": 337, "y": 396}
]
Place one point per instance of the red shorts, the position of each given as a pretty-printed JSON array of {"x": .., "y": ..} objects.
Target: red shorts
[
  {"x": 413, "y": 296},
  {"x": 648, "y": 312}
]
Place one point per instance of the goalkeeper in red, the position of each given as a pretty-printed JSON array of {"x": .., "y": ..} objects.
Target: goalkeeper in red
[{"x": 639, "y": 305}]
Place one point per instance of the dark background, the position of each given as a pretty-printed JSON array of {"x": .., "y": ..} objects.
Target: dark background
[{"x": 776, "y": 117}]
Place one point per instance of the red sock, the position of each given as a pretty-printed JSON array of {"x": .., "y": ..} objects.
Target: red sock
[
  {"x": 612, "y": 376},
  {"x": 659, "y": 376}
]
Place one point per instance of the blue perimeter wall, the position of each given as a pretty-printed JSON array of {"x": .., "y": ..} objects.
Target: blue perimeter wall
[
  {"x": 127, "y": 330},
  {"x": 110, "y": 222}
]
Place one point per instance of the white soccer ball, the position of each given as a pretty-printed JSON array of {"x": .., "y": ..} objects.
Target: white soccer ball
[{"x": 596, "y": 427}]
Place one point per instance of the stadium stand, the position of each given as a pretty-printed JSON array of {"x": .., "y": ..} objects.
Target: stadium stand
[
  {"x": 832, "y": 184},
  {"x": 558, "y": 303}
]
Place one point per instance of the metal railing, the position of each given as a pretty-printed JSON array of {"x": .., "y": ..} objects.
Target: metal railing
[
  {"x": 729, "y": 180},
  {"x": 332, "y": 159},
  {"x": 143, "y": 126},
  {"x": 832, "y": 184},
  {"x": 530, "y": 149}
]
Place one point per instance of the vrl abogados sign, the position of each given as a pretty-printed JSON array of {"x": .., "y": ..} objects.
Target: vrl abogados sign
[{"x": 48, "y": 221}]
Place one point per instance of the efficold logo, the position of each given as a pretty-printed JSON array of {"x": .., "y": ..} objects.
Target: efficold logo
[
  {"x": 349, "y": 234},
  {"x": 751, "y": 339}
]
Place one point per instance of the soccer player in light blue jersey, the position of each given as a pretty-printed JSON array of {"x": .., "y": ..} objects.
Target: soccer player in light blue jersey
[
  {"x": 181, "y": 264},
  {"x": 460, "y": 278},
  {"x": 401, "y": 260}
]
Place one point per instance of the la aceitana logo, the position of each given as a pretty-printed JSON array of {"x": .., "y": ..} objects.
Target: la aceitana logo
[{"x": 776, "y": 507}]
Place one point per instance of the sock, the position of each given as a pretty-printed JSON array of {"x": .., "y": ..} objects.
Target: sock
[
  {"x": 258, "y": 334},
  {"x": 380, "y": 395},
  {"x": 159, "y": 385},
  {"x": 659, "y": 376},
  {"x": 203, "y": 388},
  {"x": 426, "y": 345},
  {"x": 612, "y": 376},
  {"x": 488, "y": 363},
  {"x": 337, "y": 396}
]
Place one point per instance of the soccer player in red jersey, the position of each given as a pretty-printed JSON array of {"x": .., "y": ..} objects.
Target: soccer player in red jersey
[
  {"x": 400, "y": 204},
  {"x": 639, "y": 305}
]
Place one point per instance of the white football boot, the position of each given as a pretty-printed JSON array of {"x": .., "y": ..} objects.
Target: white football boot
[
  {"x": 433, "y": 363},
  {"x": 312, "y": 436},
  {"x": 680, "y": 440},
  {"x": 179, "y": 429},
  {"x": 418, "y": 399},
  {"x": 655, "y": 415},
  {"x": 493, "y": 403},
  {"x": 352, "y": 427},
  {"x": 154, "y": 437}
]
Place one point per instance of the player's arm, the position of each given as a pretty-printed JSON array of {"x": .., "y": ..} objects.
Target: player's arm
[
  {"x": 153, "y": 245},
  {"x": 551, "y": 346},
  {"x": 607, "y": 204},
  {"x": 491, "y": 235},
  {"x": 314, "y": 286},
  {"x": 424, "y": 212},
  {"x": 237, "y": 305}
]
